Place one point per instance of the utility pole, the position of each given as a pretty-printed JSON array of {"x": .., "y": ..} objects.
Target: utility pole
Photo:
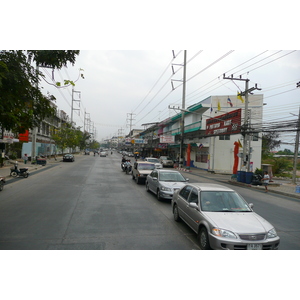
[
  {"x": 34, "y": 129},
  {"x": 296, "y": 146},
  {"x": 183, "y": 108},
  {"x": 246, "y": 142},
  {"x": 73, "y": 100},
  {"x": 130, "y": 119}
]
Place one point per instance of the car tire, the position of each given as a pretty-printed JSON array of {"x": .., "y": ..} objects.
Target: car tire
[
  {"x": 158, "y": 195},
  {"x": 203, "y": 239},
  {"x": 14, "y": 174},
  {"x": 176, "y": 213}
]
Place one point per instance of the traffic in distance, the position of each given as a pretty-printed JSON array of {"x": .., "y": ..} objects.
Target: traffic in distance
[{"x": 220, "y": 217}]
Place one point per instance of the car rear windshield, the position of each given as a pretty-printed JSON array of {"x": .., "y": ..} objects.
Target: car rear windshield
[
  {"x": 171, "y": 176},
  {"x": 223, "y": 201},
  {"x": 146, "y": 167}
]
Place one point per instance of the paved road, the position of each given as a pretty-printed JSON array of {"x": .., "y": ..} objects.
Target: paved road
[
  {"x": 92, "y": 204},
  {"x": 88, "y": 204}
]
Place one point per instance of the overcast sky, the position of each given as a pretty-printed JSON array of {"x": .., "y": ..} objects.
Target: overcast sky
[{"x": 118, "y": 83}]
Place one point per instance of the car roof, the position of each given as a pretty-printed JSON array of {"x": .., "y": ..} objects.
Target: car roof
[
  {"x": 167, "y": 171},
  {"x": 210, "y": 187}
]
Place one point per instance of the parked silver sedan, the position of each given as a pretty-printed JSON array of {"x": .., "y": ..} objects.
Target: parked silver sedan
[
  {"x": 163, "y": 182},
  {"x": 222, "y": 218}
]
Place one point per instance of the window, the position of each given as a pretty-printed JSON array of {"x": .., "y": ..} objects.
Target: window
[
  {"x": 255, "y": 136},
  {"x": 202, "y": 155},
  {"x": 193, "y": 197},
  {"x": 184, "y": 193},
  {"x": 225, "y": 137}
]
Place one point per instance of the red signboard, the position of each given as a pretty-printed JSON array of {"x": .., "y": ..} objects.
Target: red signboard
[
  {"x": 23, "y": 137},
  {"x": 229, "y": 123}
]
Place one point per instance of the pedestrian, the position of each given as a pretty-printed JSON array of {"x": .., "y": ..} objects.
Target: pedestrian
[
  {"x": 266, "y": 180},
  {"x": 25, "y": 158}
]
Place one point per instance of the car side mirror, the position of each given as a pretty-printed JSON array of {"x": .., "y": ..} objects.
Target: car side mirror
[
  {"x": 251, "y": 205},
  {"x": 193, "y": 205},
  {"x": 187, "y": 179}
]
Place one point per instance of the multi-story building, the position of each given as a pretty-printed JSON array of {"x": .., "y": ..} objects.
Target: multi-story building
[{"x": 211, "y": 129}]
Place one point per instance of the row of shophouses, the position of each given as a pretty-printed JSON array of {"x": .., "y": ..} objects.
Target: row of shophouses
[
  {"x": 213, "y": 138},
  {"x": 43, "y": 144}
]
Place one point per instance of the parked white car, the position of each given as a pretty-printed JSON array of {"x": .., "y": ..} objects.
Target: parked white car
[{"x": 155, "y": 161}]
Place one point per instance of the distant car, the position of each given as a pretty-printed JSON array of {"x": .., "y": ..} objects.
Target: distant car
[
  {"x": 140, "y": 171},
  {"x": 155, "y": 161},
  {"x": 164, "y": 182},
  {"x": 103, "y": 154},
  {"x": 222, "y": 218},
  {"x": 68, "y": 157},
  {"x": 166, "y": 161}
]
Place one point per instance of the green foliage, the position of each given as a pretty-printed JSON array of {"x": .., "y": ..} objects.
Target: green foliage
[
  {"x": 258, "y": 172},
  {"x": 280, "y": 164},
  {"x": 269, "y": 143},
  {"x": 53, "y": 58},
  {"x": 22, "y": 105},
  {"x": 285, "y": 152},
  {"x": 68, "y": 137}
]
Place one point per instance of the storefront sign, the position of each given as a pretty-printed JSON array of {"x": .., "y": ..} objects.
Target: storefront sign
[
  {"x": 229, "y": 123},
  {"x": 167, "y": 139}
]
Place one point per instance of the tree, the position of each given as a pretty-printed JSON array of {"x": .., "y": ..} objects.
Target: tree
[
  {"x": 22, "y": 104},
  {"x": 269, "y": 143}
]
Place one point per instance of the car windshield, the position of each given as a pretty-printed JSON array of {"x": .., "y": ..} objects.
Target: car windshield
[
  {"x": 223, "y": 202},
  {"x": 154, "y": 160},
  {"x": 146, "y": 167},
  {"x": 171, "y": 176}
]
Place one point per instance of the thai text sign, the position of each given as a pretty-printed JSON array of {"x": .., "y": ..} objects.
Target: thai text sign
[
  {"x": 229, "y": 123},
  {"x": 167, "y": 139}
]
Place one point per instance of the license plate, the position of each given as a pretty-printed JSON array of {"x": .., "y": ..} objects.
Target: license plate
[{"x": 254, "y": 246}]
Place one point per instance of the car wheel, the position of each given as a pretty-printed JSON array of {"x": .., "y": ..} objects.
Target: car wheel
[
  {"x": 158, "y": 195},
  {"x": 147, "y": 187},
  {"x": 203, "y": 239},
  {"x": 14, "y": 174},
  {"x": 176, "y": 213}
]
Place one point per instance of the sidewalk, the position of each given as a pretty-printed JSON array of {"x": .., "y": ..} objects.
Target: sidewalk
[
  {"x": 5, "y": 171},
  {"x": 277, "y": 186}
]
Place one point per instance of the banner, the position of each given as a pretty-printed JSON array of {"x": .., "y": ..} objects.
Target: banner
[
  {"x": 229, "y": 123},
  {"x": 167, "y": 139}
]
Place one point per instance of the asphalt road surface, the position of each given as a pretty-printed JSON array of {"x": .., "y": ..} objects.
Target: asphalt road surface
[{"x": 91, "y": 204}]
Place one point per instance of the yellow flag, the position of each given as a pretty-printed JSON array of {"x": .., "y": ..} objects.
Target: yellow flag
[
  {"x": 219, "y": 105},
  {"x": 240, "y": 144},
  {"x": 240, "y": 97}
]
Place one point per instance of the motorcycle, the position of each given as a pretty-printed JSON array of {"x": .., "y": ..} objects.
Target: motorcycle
[
  {"x": 2, "y": 181},
  {"x": 15, "y": 172},
  {"x": 256, "y": 179},
  {"x": 128, "y": 168}
]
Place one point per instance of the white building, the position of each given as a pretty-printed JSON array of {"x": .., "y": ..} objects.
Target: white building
[{"x": 211, "y": 141}]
